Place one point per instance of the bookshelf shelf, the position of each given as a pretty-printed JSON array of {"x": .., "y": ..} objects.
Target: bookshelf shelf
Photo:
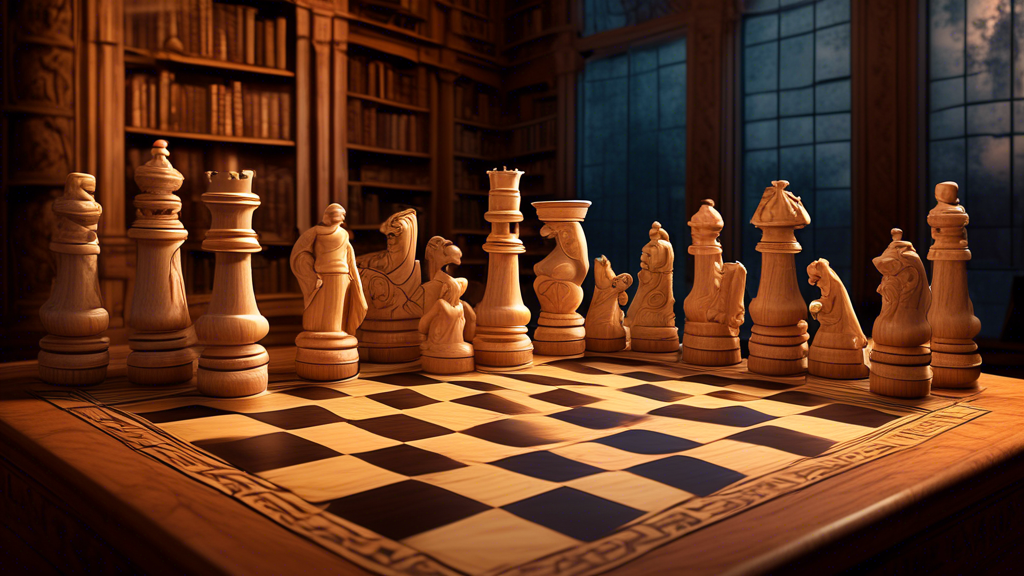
[
  {"x": 465, "y": 9},
  {"x": 389, "y": 151},
  {"x": 146, "y": 57},
  {"x": 528, "y": 123},
  {"x": 390, "y": 186},
  {"x": 521, "y": 6},
  {"x": 208, "y": 137},
  {"x": 483, "y": 125},
  {"x": 389, "y": 103},
  {"x": 476, "y": 157},
  {"x": 471, "y": 232},
  {"x": 526, "y": 154},
  {"x": 550, "y": 31},
  {"x": 472, "y": 192},
  {"x": 392, "y": 6}
]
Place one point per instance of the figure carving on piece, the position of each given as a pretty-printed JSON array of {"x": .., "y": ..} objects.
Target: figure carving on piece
[
  {"x": 161, "y": 336},
  {"x": 955, "y": 359},
  {"x": 714, "y": 307},
  {"x": 392, "y": 283},
  {"x": 73, "y": 353},
  {"x": 778, "y": 340},
  {"x": 652, "y": 318},
  {"x": 449, "y": 324},
  {"x": 560, "y": 329},
  {"x": 324, "y": 263},
  {"x": 603, "y": 325},
  {"x": 900, "y": 355},
  {"x": 840, "y": 346}
]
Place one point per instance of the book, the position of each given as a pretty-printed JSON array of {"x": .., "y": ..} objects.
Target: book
[
  {"x": 237, "y": 107},
  {"x": 269, "y": 41},
  {"x": 250, "y": 35},
  {"x": 281, "y": 31}
]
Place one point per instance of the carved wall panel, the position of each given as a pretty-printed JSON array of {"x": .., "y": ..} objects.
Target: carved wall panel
[
  {"x": 41, "y": 148},
  {"x": 45, "y": 76},
  {"x": 43, "y": 18}
]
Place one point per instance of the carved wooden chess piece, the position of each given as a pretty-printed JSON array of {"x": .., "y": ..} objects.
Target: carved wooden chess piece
[
  {"x": 232, "y": 363},
  {"x": 955, "y": 359},
  {"x": 392, "y": 283},
  {"x": 560, "y": 330},
  {"x": 161, "y": 336},
  {"x": 714, "y": 308},
  {"x": 840, "y": 345},
  {"x": 651, "y": 318},
  {"x": 501, "y": 342},
  {"x": 449, "y": 324},
  {"x": 900, "y": 356},
  {"x": 324, "y": 263},
  {"x": 603, "y": 325},
  {"x": 73, "y": 353},
  {"x": 778, "y": 342}
]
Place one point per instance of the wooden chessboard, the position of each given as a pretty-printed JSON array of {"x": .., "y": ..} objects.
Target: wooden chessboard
[{"x": 572, "y": 466}]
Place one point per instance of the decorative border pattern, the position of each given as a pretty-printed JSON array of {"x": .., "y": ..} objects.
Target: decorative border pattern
[{"x": 379, "y": 554}]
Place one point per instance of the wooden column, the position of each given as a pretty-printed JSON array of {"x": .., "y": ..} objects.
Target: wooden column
[
  {"x": 303, "y": 123},
  {"x": 888, "y": 162},
  {"x": 339, "y": 102},
  {"x": 709, "y": 113},
  {"x": 445, "y": 153},
  {"x": 321, "y": 70}
]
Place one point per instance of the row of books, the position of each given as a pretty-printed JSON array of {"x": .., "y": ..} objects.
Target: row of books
[
  {"x": 476, "y": 142},
  {"x": 530, "y": 106},
  {"x": 368, "y": 209},
  {"x": 472, "y": 26},
  {"x": 481, "y": 6},
  {"x": 382, "y": 80},
  {"x": 468, "y": 214},
  {"x": 393, "y": 173},
  {"x": 477, "y": 106},
  {"x": 467, "y": 178},
  {"x": 228, "y": 32},
  {"x": 533, "y": 137},
  {"x": 534, "y": 21},
  {"x": 539, "y": 177},
  {"x": 271, "y": 273},
  {"x": 397, "y": 131},
  {"x": 157, "y": 101}
]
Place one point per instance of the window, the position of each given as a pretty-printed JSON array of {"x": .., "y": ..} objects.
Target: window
[
  {"x": 601, "y": 15},
  {"x": 632, "y": 151},
  {"x": 796, "y": 123},
  {"x": 976, "y": 137}
]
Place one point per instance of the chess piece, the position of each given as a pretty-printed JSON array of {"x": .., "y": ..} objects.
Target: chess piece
[
  {"x": 392, "y": 283},
  {"x": 900, "y": 356},
  {"x": 603, "y": 325},
  {"x": 714, "y": 307},
  {"x": 232, "y": 363},
  {"x": 161, "y": 335},
  {"x": 324, "y": 263},
  {"x": 501, "y": 342},
  {"x": 449, "y": 324},
  {"x": 560, "y": 330},
  {"x": 840, "y": 346},
  {"x": 651, "y": 318},
  {"x": 955, "y": 359},
  {"x": 73, "y": 353},
  {"x": 778, "y": 341}
]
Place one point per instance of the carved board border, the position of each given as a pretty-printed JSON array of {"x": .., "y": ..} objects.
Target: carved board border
[{"x": 384, "y": 556}]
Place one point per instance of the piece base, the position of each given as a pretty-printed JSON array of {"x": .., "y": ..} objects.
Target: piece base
[
  {"x": 392, "y": 355},
  {"x": 837, "y": 371},
  {"x": 605, "y": 344},
  {"x": 492, "y": 361},
  {"x": 232, "y": 384},
  {"x": 776, "y": 367},
  {"x": 710, "y": 357},
  {"x": 899, "y": 388},
  {"x": 433, "y": 365},
  {"x": 160, "y": 376},
  {"x": 654, "y": 346},
  {"x": 69, "y": 377},
  {"x": 570, "y": 348},
  {"x": 943, "y": 377},
  {"x": 326, "y": 372}
]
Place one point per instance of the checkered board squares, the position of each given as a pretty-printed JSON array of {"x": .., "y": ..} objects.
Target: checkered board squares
[{"x": 489, "y": 471}]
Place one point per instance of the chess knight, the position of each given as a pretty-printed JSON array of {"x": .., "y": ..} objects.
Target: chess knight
[
  {"x": 560, "y": 329},
  {"x": 604, "y": 318},
  {"x": 840, "y": 346},
  {"x": 652, "y": 318},
  {"x": 392, "y": 283},
  {"x": 449, "y": 324},
  {"x": 324, "y": 263},
  {"x": 714, "y": 307},
  {"x": 900, "y": 355}
]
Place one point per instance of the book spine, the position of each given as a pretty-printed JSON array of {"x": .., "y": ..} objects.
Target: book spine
[
  {"x": 269, "y": 39},
  {"x": 250, "y": 35},
  {"x": 281, "y": 31},
  {"x": 236, "y": 106}
]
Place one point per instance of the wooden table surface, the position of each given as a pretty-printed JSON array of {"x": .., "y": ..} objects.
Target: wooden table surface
[{"x": 957, "y": 493}]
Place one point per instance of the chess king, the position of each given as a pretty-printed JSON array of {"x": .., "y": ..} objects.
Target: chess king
[
  {"x": 324, "y": 263},
  {"x": 652, "y": 318}
]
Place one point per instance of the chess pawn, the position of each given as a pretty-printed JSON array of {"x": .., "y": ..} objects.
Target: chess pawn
[
  {"x": 449, "y": 324},
  {"x": 392, "y": 281},
  {"x": 955, "y": 359},
  {"x": 840, "y": 346},
  {"x": 714, "y": 307},
  {"x": 560, "y": 329},
  {"x": 603, "y": 325},
  {"x": 324, "y": 263},
  {"x": 73, "y": 353},
  {"x": 232, "y": 363},
  {"x": 778, "y": 341},
  {"x": 161, "y": 335},
  {"x": 900, "y": 356},
  {"x": 652, "y": 318},
  {"x": 501, "y": 343}
]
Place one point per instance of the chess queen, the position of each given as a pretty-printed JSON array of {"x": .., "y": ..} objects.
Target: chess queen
[{"x": 324, "y": 263}]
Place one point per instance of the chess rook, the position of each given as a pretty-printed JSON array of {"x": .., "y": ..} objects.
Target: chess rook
[
  {"x": 560, "y": 330},
  {"x": 160, "y": 329},
  {"x": 324, "y": 263},
  {"x": 714, "y": 307},
  {"x": 840, "y": 347},
  {"x": 448, "y": 324},
  {"x": 900, "y": 355},
  {"x": 955, "y": 359},
  {"x": 73, "y": 353},
  {"x": 651, "y": 318},
  {"x": 778, "y": 341},
  {"x": 604, "y": 329},
  {"x": 501, "y": 342},
  {"x": 392, "y": 282},
  {"x": 232, "y": 363}
]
